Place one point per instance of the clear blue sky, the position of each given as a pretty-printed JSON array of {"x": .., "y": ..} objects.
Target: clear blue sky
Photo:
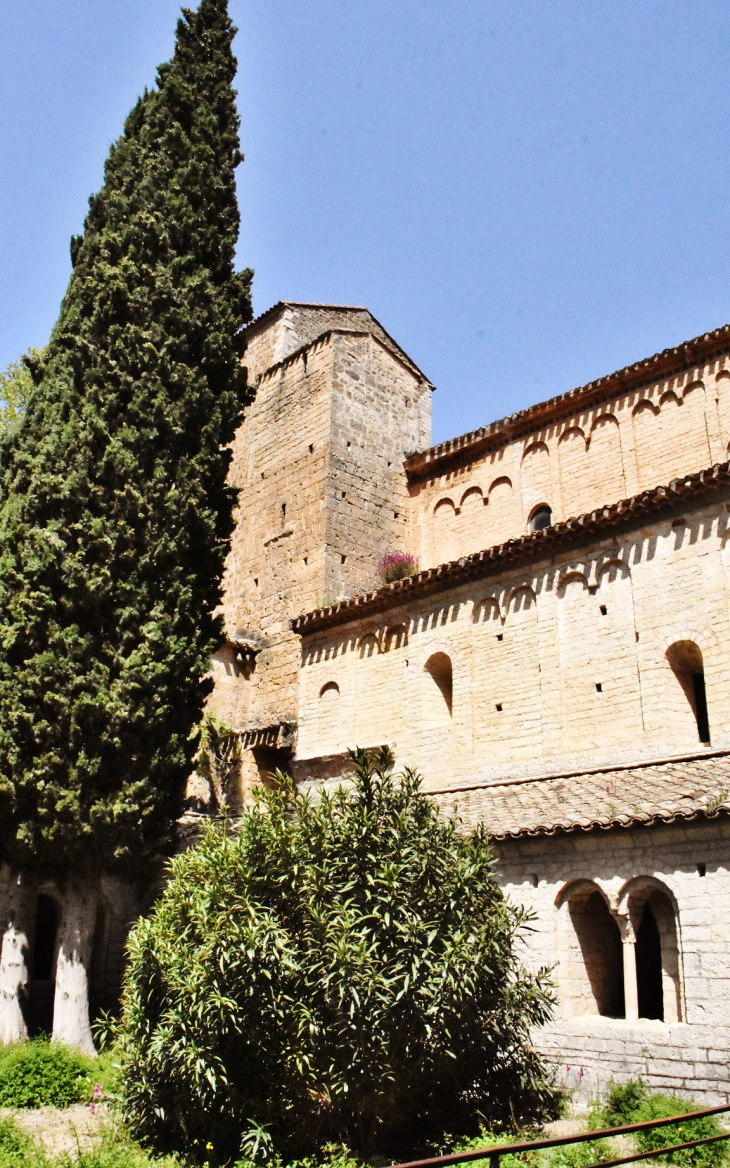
[{"x": 527, "y": 193}]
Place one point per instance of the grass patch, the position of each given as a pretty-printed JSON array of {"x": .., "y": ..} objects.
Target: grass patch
[{"x": 113, "y": 1149}]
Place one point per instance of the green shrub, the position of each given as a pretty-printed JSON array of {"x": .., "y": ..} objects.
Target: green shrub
[
  {"x": 489, "y": 1139},
  {"x": 620, "y": 1105},
  {"x": 44, "y": 1074},
  {"x": 577, "y": 1155},
  {"x": 340, "y": 969},
  {"x": 660, "y": 1106}
]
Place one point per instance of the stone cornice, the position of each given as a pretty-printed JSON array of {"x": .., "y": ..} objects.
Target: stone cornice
[
  {"x": 536, "y": 546},
  {"x": 438, "y": 459}
]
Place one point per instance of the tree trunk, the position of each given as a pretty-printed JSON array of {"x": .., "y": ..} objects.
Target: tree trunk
[
  {"x": 71, "y": 1002},
  {"x": 17, "y": 896}
]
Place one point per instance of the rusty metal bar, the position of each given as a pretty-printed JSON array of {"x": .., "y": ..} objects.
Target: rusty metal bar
[
  {"x": 662, "y": 1151},
  {"x": 494, "y": 1152}
]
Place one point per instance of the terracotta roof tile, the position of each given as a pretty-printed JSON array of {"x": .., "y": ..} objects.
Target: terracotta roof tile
[{"x": 659, "y": 792}]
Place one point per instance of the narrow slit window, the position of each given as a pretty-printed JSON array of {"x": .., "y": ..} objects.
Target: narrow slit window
[
  {"x": 685, "y": 659},
  {"x": 439, "y": 668}
]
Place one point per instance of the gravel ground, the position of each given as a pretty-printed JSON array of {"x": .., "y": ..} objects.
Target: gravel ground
[{"x": 62, "y": 1129}]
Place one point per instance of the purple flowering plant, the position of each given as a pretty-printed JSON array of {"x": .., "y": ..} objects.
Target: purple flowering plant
[{"x": 396, "y": 566}]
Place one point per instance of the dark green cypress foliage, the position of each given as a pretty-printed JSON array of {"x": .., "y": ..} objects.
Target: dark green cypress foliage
[{"x": 114, "y": 510}]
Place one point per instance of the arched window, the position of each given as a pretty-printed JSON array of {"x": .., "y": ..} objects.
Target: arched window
[
  {"x": 541, "y": 518},
  {"x": 685, "y": 659},
  {"x": 439, "y": 667},
  {"x": 649, "y": 967},
  {"x": 594, "y": 972},
  {"x": 329, "y": 715},
  {"x": 656, "y": 950}
]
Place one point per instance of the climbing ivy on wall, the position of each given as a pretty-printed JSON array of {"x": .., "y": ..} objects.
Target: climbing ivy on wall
[{"x": 115, "y": 515}]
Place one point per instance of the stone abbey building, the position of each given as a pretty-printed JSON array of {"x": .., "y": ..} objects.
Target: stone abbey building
[{"x": 558, "y": 668}]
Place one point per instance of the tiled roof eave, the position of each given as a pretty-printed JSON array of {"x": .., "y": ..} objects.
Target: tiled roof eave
[
  {"x": 535, "y": 546},
  {"x": 634, "y": 820},
  {"x": 699, "y": 349}
]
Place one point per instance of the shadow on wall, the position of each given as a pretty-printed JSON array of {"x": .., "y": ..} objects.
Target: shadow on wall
[
  {"x": 439, "y": 668},
  {"x": 685, "y": 659}
]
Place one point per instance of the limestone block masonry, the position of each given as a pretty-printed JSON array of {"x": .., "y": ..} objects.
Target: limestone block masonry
[{"x": 319, "y": 465}]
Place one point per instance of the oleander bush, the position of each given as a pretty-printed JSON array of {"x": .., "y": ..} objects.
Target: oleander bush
[{"x": 339, "y": 969}]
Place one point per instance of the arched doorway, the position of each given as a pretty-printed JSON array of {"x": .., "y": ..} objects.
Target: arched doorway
[{"x": 43, "y": 966}]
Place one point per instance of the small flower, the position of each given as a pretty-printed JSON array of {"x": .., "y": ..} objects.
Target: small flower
[{"x": 98, "y": 1091}]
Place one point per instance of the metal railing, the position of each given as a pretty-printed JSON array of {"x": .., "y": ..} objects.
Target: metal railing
[{"x": 494, "y": 1152}]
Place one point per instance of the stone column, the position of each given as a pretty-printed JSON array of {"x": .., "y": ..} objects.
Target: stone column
[{"x": 631, "y": 990}]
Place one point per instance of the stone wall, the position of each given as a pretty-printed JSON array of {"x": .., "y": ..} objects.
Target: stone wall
[
  {"x": 318, "y": 462},
  {"x": 560, "y": 664},
  {"x": 580, "y": 460},
  {"x": 683, "y": 866}
]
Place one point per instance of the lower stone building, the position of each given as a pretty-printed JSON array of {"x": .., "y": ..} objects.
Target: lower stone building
[{"x": 626, "y": 872}]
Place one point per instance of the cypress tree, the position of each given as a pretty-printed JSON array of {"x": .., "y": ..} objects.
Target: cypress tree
[{"x": 115, "y": 514}]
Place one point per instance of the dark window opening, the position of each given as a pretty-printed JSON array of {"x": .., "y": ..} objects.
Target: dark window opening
[
  {"x": 702, "y": 868},
  {"x": 500, "y": 636},
  {"x": 343, "y": 559},
  {"x": 283, "y": 510},
  {"x": 311, "y": 448},
  {"x": 685, "y": 659},
  {"x": 270, "y": 759},
  {"x": 439, "y": 666},
  {"x": 498, "y": 707},
  {"x": 599, "y": 687},
  {"x": 600, "y": 943},
  {"x": 541, "y": 518},
  {"x": 649, "y": 967},
  {"x": 44, "y": 949},
  {"x": 703, "y": 722},
  {"x": 604, "y": 610}
]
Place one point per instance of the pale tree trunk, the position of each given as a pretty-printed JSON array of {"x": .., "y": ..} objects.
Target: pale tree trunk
[
  {"x": 16, "y": 909},
  {"x": 71, "y": 1002}
]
